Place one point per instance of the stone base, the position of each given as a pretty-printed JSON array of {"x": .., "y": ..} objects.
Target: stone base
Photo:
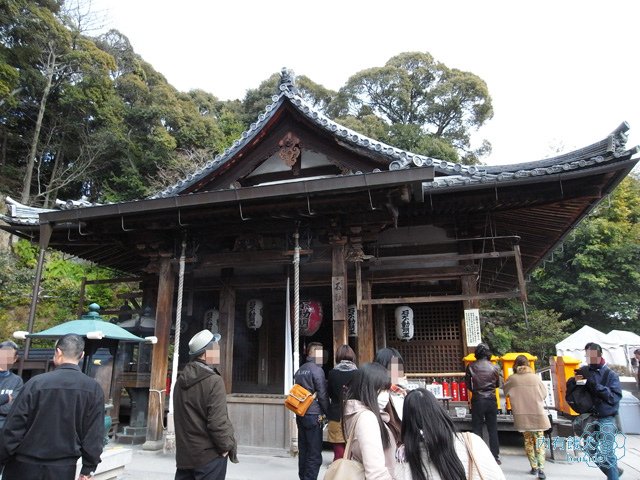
[
  {"x": 114, "y": 459},
  {"x": 132, "y": 435},
  {"x": 153, "y": 445}
]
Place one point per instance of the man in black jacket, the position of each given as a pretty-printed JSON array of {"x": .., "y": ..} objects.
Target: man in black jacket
[
  {"x": 482, "y": 379},
  {"x": 10, "y": 383},
  {"x": 311, "y": 376},
  {"x": 204, "y": 434},
  {"x": 58, "y": 418}
]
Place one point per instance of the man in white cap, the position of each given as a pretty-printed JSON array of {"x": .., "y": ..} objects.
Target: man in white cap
[{"x": 204, "y": 434}]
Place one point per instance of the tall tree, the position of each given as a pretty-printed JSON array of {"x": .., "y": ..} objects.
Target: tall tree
[
  {"x": 414, "y": 89},
  {"x": 506, "y": 330},
  {"x": 34, "y": 43}
]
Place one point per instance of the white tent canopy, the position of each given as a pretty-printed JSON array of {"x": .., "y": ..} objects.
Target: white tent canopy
[
  {"x": 612, "y": 350},
  {"x": 630, "y": 342},
  {"x": 625, "y": 337}
]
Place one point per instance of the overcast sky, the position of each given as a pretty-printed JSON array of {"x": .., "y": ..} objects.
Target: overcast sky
[{"x": 562, "y": 74}]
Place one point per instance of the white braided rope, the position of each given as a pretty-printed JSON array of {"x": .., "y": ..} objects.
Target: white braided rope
[
  {"x": 296, "y": 304},
  {"x": 176, "y": 335}
]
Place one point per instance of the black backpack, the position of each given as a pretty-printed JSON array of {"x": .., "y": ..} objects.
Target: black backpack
[{"x": 579, "y": 397}]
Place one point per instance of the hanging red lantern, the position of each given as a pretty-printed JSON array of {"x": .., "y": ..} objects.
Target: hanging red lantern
[
  {"x": 404, "y": 322},
  {"x": 310, "y": 317},
  {"x": 254, "y": 313}
]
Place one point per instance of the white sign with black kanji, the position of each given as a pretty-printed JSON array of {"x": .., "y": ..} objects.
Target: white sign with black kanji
[{"x": 472, "y": 326}]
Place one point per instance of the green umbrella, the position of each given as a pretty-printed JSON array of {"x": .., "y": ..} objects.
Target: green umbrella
[
  {"x": 98, "y": 334},
  {"x": 92, "y": 324}
]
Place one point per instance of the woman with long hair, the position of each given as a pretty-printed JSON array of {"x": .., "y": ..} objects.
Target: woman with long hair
[
  {"x": 391, "y": 359},
  {"x": 338, "y": 378},
  {"x": 526, "y": 393},
  {"x": 373, "y": 444},
  {"x": 433, "y": 450}
]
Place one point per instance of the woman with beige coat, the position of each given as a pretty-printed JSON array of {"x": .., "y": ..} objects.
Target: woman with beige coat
[
  {"x": 526, "y": 393},
  {"x": 372, "y": 444}
]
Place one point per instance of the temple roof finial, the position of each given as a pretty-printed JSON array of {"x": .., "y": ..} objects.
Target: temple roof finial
[{"x": 287, "y": 79}]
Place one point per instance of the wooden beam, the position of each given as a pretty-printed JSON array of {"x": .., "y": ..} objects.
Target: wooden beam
[
  {"x": 440, "y": 298},
  {"x": 365, "y": 339},
  {"x": 234, "y": 259},
  {"x": 409, "y": 275},
  {"x": 159, "y": 358},
  {"x": 339, "y": 294},
  {"x": 443, "y": 258},
  {"x": 417, "y": 274},
  {"x": 227, "y": 307},
  {"x": 81, "y": 297},
  {"x": 115, "y": 311},
  {"x": 114, "y": 280},
  {"x": 522, "y": 285},
  {"x": 380, "y": 326}
]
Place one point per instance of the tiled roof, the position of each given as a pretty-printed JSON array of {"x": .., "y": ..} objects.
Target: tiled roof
[
  {"x": 503, "y": 175},
  {"x": 20, "y": 214},
  {"x": 450, "y": 173},
  {"x": 397, "y": 157}
]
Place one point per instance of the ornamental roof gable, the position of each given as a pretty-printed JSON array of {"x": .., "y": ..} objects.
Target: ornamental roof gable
[{"x": 291, "y": 140}]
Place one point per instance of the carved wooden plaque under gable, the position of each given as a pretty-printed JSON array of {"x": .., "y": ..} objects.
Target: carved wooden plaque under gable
[{"x": 289, "y": 149}]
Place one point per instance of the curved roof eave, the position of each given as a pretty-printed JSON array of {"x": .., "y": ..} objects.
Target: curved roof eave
[
  {"x": 550, "y": 167},
  {"x": 397, "y": 157},
  {"x": 612, "y": 146}
]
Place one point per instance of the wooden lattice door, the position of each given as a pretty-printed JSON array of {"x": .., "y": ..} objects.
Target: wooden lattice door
[{"x": 437, "y": 342}]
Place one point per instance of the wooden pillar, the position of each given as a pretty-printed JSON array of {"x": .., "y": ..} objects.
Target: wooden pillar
[
  {"x": 148, "y": 287},
  {"x": 365, "y": 339},
  {"x": 522, "y": 284},
  {"x": 159, "y": 359},
  {"x": 469, "y": 287},
  {"x": 46, "y": 229},
  {"x": 380, "y": 327},
  {"x": 339, "y": 294},
  {"x": 227, "y": 307},
  {"x": 83, "y": 286}
]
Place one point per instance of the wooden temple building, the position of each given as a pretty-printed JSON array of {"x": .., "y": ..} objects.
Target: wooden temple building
[{"x": 376, "y": 227}]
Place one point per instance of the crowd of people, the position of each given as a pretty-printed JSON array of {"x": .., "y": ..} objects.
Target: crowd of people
[
  {"x": 393, "y": 432},
  {"x": 401, "y": 434}
]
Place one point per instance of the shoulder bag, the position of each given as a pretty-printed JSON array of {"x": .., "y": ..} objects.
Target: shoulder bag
[
  {"x": 345, "y": 468},
  {"x": 299, "y": 400},
  {"x": 468, "y": 442}
]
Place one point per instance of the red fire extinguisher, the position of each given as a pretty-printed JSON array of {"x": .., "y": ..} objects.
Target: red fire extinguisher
[
  {"x": 464, "y": 396},
  {"x": 455, "y": 392},
  {"x": 446, "y": 390}
]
